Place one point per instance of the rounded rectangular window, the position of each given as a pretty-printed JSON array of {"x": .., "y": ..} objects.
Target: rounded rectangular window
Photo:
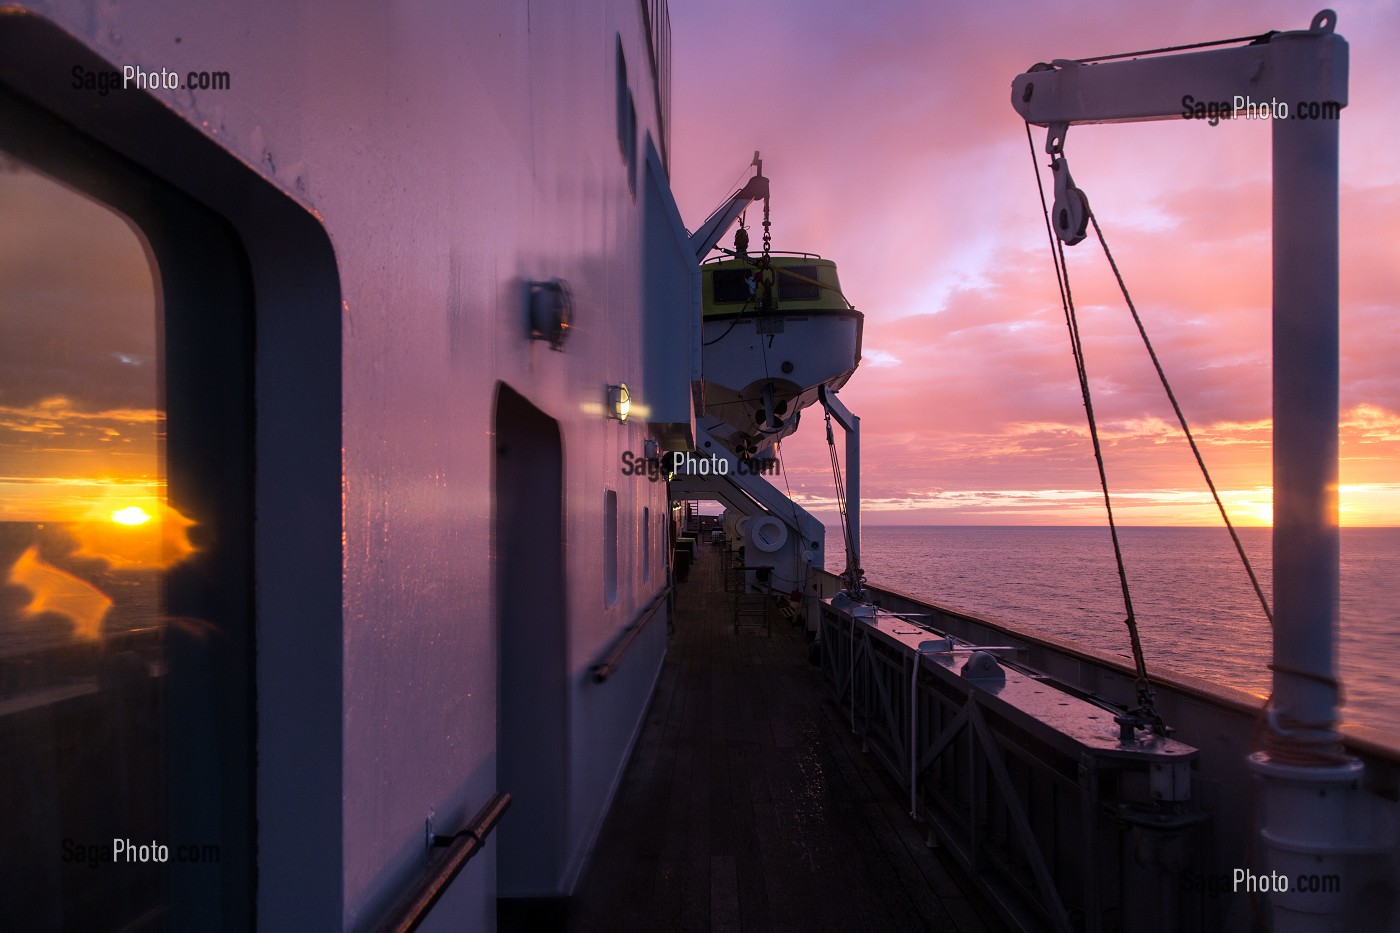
[
  {"x": 125, "y": 755},
  {"x": 610, "y": 545},
  {"x": 86, "y": 535},
  {"x": 646, "y": 543}
]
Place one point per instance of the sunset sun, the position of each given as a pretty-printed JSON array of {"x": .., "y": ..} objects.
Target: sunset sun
[{"x": 131, "y": 515}]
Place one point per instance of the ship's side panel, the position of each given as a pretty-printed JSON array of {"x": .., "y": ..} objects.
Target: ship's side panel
[
  {"x": 433, "y": 278},
  {"x": 454, "y": 154},
  {"x": 515, "y": 175},
  {"x": 601, "y": 165}
]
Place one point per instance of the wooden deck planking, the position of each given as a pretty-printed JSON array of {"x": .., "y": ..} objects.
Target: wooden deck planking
[{"x": 748, "y": 805}]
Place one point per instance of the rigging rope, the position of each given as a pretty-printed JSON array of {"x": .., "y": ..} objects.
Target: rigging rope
[
  {"x": 1260, "y": 39},
  {"x": 1185, "y": 428},
  {"x": 737, "y": 318},
  {"x": 854, "y": 575},
  {"x": 804, "y": 566},
  {"x": 1276, "y": 729},
  {"x": 1271, "y": 723},
  {"x": 1146, "y": 710}
]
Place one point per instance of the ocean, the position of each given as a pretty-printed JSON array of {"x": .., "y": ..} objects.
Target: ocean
[{"x": 1196, "y": 610}]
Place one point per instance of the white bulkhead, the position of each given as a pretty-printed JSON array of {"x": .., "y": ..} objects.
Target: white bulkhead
[{"x": 440, "y": 542}]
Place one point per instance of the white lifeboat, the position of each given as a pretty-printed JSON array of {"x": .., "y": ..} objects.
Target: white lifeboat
[{"x": 773, "y": 335}]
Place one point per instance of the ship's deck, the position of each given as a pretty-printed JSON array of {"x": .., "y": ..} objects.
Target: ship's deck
[{"x": 748, "y": 805}]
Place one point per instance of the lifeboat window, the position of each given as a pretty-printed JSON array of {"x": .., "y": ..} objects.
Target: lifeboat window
[
  {"x": 123, "y": 753},
  {"x": 733, "y": 286},
  {"x": 798, "y": 283}
]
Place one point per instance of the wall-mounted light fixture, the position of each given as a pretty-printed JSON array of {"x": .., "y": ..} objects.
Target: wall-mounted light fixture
[
  {"x": 619, "y": 402},
  {"x": 551, "y": 312}
]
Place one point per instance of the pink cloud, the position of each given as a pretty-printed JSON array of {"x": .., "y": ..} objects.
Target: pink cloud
[{"x": 893, "y": 149}]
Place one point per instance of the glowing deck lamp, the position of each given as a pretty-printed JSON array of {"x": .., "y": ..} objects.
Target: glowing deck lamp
[{"x": 619, "y": 402}]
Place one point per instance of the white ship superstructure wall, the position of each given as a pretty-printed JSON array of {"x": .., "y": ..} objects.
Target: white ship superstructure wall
[{"x": 406, "y": 173}]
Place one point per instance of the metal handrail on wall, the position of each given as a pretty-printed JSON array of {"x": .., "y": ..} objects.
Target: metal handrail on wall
[
  {"x": 606, "y": 667},
  {"x": 414, "y": 907}
]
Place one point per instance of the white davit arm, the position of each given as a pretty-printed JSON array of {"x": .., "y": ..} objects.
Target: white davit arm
[
  {"x": 1190, "y": 85},
  {"x": 1293, "y": 70},
  {"x": 1298, "y": 82},
  {"x": 715, "y": 226}
]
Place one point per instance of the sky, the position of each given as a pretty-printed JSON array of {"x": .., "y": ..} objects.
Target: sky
[{"x": 887, "y": 131}]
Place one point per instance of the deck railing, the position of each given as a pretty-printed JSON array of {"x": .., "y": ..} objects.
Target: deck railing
[
  {"x": 606, "y": 667},
  {"x": 1050, "y": 816},
  {"x": 413, "y": 909},
  {"x": 1219, "y": 719}
]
